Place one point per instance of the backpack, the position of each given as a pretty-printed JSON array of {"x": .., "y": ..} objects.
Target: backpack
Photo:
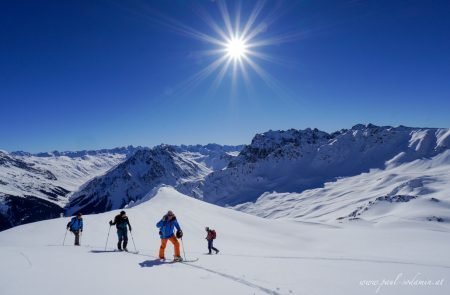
[{"x": 213, "y": 234}]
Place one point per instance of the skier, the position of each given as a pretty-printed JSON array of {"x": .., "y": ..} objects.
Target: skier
[
  {"x": 76, "y": 226},
  {"x": 211, "y": 235},
  {"x": 121, "y": 221},
  {"x": 166, "y": 227}
]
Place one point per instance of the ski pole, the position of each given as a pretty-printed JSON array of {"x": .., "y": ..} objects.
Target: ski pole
[
  {"x": 135, "y": 250},
  {"x": 65, "y": 237},
  {"x": 182, "y": 245},
  {"x": 107, "y": 238}
]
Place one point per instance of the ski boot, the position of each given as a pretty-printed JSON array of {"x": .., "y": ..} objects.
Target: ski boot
[{"x": 177, "y": 259}]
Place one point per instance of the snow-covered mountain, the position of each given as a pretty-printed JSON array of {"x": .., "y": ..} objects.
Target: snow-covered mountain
[
  {"x": 213, "y": 156},
  {"x": 147, "y": 169},
  {"x": 128, "y": 150},
  {"x": 296, "y": 160},
  {"x": 416, "y": 191},
  {"x": 36, "y": 186},
  {"x": 257, "y": 255},
  {"x": 289, "y": 173}
]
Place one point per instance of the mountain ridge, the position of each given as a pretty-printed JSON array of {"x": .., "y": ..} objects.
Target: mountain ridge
[{"x": 295, "y": 160}]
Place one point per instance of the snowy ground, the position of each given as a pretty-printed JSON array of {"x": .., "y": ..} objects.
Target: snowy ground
[{"x": 258, "y": 256}]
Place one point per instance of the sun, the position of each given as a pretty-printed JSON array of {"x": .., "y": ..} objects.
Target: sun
[
  {"x": 236, "y": 49},
  {"x": 235, "y": 44}
]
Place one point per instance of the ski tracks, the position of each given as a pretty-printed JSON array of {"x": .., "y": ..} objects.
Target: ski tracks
[
  {"x": 235, "y": 279},
  {"x": 369, "y": 260},
  {"x": 26, "y": 258},
  {"x": 227, "y": 276}
]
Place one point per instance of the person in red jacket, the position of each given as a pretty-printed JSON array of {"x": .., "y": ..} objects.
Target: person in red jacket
[{"x": 210, "y": 237}]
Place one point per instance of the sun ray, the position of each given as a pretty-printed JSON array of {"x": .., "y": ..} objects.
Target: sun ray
[
  {"x": 269, "y": 79},
  {"x": 252, "y": 18},
  {"x": 285, "y": 38},
  {"x": 193, "y": 81},
  {"x": 221, "y": 74},
  {"x": 237, "y": 24},
  {"x": 271, "y": 58},
  {"x": 266, "y": 22},
  {"x": 225, "y": 16},
  {"x": 206, "y": 17},
  {"x": 188, "y": 31},
  {"x": 234, "y": 78},
  {"x": 245, "y": 75}
]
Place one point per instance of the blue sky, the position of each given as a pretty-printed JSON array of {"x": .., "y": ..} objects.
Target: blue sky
[{"x": 98, "y": 74}]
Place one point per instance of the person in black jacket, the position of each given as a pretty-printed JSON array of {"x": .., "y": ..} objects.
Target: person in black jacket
[{"x": 121, "y": 221}]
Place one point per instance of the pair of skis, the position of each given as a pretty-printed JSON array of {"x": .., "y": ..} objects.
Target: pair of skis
[
  {"x": 163, "y": 260},
  {"x": 131, "y": 252},
  {"x": 181, "y": 261}
]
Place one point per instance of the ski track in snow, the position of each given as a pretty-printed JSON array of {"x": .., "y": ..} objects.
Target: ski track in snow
[
  {"x": 261, "y": 288},
  {"x": 266, "y": 290},
  {"x": 341, "y": 259},
  {"x": 235, "y": 279},
  {"x": 27, "y": 259},
  {"x": 227, "y": 276}
]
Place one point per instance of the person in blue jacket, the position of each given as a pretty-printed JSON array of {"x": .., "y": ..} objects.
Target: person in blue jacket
[
  {"x": 166, "y": 232},
  {"x": 76, "y": 227}
]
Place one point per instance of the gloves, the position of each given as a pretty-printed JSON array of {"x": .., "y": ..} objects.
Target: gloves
[
  {"x": 110, "y": 222},
  {"x": 130, "y": 228},
  {"x": 179, "y": 234},
  {"x": 81, "y": 230}
]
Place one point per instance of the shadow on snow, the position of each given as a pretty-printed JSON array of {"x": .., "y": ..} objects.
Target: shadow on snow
[{"x": 152, "y": 263}]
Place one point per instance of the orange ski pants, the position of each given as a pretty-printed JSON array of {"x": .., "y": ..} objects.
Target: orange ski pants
[{"x": 175, "y": 243}]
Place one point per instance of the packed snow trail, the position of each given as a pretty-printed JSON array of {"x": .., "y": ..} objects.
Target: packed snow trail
[{"x": 258, "y": 256}]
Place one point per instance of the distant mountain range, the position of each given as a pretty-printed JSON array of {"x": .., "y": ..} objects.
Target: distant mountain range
[
  {"x": 147, "y": 169},
  {"x": 280, "y": 174},
  {"x": 38, "y": 186}
]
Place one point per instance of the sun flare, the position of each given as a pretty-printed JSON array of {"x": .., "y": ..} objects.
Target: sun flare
[
  {"x": 236, "y": 48},
  {"x": 235, "y": 45}
]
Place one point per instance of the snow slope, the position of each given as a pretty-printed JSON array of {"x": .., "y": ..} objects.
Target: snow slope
[
  {"x": 258, "y": 256},
  {"x": 416, "y": 191}
]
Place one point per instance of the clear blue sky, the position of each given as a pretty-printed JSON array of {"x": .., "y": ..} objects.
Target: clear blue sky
[{"x": 98, "y": 74}]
